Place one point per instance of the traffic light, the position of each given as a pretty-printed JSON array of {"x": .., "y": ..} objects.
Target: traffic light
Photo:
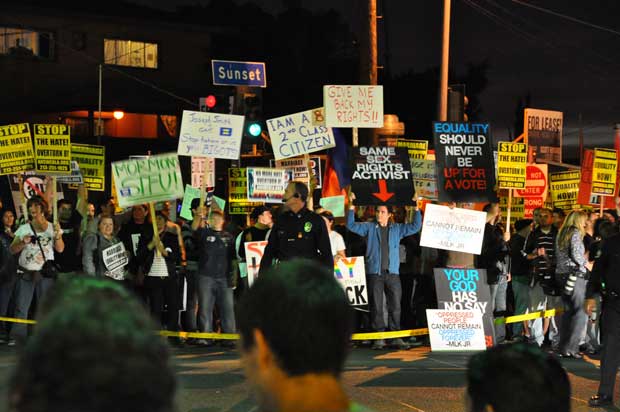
[
  {"x": 457, "y": 103},
  {"x": 253, "y": 112},
  {"x": 217, "y": 103}
]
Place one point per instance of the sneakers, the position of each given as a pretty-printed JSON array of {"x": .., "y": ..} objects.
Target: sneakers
[
  {"x": 11, "y": 342},
  {"x": 398, "y": 343},
  {"x": 378, "y": 344},
  {"x": 599, "y": 401}
]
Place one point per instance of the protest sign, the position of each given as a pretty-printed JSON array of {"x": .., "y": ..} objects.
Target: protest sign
[
  {"x": 32, "y": 184},
  {"x": 517, "y": 208},
  {"x": 52, "y": 148},
  {"x": 115, "y": 259},
  {"x": 542, "y": 130},
  {"x": 424, "y": 176},
  {"x": 198, "y": 171},
  {"x": 191, "y": 193},
  {"x": 459, "y": 289},
  {"x": 300, "y": 133},
  {"x": 382, "y": 176},
  {"x": 416, "y": 148},
  {"x": 585, "y": 196},
  {"x": 535, "y": 192},
  {"x": 565, "y": 188},
  {"x": 455, "y": 330},
  {"x": 266, "y": 185},
  {"x": 238, "y": 203},
  {"x": 91, "y": 160},
  {"x": 351, "y": 274},
  {"x": 16, "y": 154},
  {"x": 253, "y": 255},
  {"x": 299, "y": 167},
  {"x": 74, "y": 178},
  {"x": 465, "y": 170},
  {"x": 460, "y": 230},
  {"x": 604, "y": 172},
  {"x": 511, "y": 165},
  {"x": 155, "y": 179},
  {"x": 205, "y": 134},
  {"x": 353, "y": 106},
  {"x": 334, "y": 204}
]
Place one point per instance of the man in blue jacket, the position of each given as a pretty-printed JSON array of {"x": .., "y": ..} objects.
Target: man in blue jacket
[{"x": 382, "y": 265}]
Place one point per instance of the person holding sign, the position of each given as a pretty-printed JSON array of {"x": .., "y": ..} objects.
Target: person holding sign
[
  {"x": 298, "y": 232},
  {"x": 158, "y": 255},
  {"x": 382, "y": 265},
  {"x": 103, "y": 253},
  {"x": 35, "y": 242}
]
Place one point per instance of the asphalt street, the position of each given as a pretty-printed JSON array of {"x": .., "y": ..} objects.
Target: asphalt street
[{"x": 211, "y": 379}]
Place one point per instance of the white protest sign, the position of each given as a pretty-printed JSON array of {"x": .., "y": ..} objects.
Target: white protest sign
[
  {"x": 207, "y": 134},
  {"x": 198, "y": 170},
  {"x": 353, "y": 106},
  {"x": 300, "y": 133},
  {"x": 266, "y": 185},
  {"x": 351, "y": 275},
  {"x": 253, "y": 255},
  {"x": 154, "y": 179},
  {"x": 115, "y": 259},
  {"x": 455, "y": 330},
  {"x": 460, "y": 230}
]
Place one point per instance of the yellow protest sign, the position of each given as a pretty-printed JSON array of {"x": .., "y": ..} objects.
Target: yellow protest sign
[
  {"x": 517, "y": 209},
  {"x": 238, "y": 203},
  {"x": 565, "y": 188},
  {"x": 604, "y": 172},
  {"x": 511, "y": 165},
  {"x": 417, "y": 148},
  {"x": 16, "y": 154},
  {"x": 91, "y": 159},
  {"x": 52, "y": 148}
]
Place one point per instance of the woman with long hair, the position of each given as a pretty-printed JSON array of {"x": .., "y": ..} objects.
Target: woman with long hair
[{"x": 572, "y": 267}]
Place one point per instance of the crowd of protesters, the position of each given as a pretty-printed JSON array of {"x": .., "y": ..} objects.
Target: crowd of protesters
[{"x": 198, "y": 268}]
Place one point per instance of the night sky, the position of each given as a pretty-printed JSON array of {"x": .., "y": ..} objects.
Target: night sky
[{"x": 563, "y": 65}]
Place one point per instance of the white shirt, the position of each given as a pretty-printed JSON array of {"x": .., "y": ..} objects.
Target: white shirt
[
  {"x": 31, "y": 257},
  {"x": 336, "y": 241},
  {"x": 159, "y": 267}
]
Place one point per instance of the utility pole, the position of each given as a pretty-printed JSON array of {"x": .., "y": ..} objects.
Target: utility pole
[
  {"x": 368, "y": 58},
  {"x": 99, "y": 126},
  {"x": 580, "y": 139},
  {"x": 445, "y": 63}
]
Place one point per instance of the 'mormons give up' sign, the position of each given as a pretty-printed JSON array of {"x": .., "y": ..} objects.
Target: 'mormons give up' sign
[{"x": 153, "y": 179}]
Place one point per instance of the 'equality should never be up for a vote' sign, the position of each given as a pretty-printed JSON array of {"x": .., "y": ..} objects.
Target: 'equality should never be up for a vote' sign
[
  {"x": 460, "y": 230},
  {"x": 353, "y": 106},
  {"x": 465, "y": 169},
  {"x": 154, "y": 179},
  {"x": 382, "y": 175},
  {"x": 210, "y": 135},
  {"x": 300, "y": 133}
]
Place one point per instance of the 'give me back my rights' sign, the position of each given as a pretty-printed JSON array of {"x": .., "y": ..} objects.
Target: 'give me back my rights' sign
[{"x": 462, "y": 289}]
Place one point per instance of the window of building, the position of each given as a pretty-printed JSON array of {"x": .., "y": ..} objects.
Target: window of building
[
  {"x": 26, "y": 42},
  {"x": 130, "y": 53}
]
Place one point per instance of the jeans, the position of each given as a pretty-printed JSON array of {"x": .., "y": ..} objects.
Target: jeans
[
  {"x": 212, "y": 291},
  {"x": 498, "y": 304},
  {"x": 521, "y": 293},
  {"x": 574, "y": 319},
  {"x": 163, "y": 291},
  {"x": 27, "y": 288},
  {"x": 377, "y": 285},
  {"x": 189, "y": 316}
]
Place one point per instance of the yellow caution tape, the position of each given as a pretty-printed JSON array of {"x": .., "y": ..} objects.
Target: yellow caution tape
[{"x": 355, "y": 336}]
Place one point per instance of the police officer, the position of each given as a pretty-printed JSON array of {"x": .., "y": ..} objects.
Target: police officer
[
  {"x": 298, "y": 232},
  {"x": 605, "y": 272}
]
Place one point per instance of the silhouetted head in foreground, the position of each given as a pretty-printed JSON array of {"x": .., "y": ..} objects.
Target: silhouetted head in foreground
[
  {"x": 295, "y": 324},
  {"x": 515, "y": 378},
  {"x": 94, "y": 349}
]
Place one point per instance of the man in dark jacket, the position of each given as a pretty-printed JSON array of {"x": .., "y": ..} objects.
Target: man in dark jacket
[
  {"x": 520, "y": 271},
  {"x": 215, "y": 279}
]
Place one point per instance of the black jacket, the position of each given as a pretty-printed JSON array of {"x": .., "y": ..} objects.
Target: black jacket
[
  {"x": 494, "y": 250},
  {"x": 605, "y": 271},
  {"x": 145, "y": 256}
]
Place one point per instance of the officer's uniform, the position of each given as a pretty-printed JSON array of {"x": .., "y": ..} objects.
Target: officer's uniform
[
  {"x": 605, "y": 272},
  {"x": 298, "y": 235}
]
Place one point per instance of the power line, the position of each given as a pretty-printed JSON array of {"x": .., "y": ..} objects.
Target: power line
[{"x": 564, "y": 16}]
